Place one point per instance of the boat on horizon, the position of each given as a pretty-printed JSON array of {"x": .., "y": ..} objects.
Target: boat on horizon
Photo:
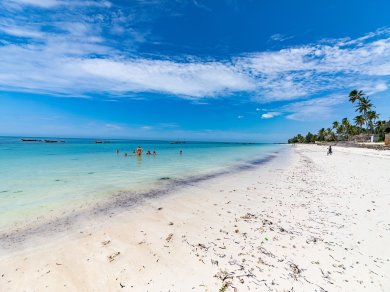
[{"x": 30, "y": 140}]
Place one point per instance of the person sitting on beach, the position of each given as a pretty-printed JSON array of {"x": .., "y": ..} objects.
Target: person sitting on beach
[
  {"x": 330, "y": 150},
  {"x": 139, "y": 151},
  {"x": 154, "y": 152}
]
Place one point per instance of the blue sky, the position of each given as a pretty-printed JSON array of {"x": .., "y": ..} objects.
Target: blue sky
[{"x": 225, "y": 70}]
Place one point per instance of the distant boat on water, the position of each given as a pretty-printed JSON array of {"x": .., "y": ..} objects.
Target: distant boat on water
[
  {"x": 45, "y": 140},
  {"x": 31, "y": 140},
  {"x": 102, "y": 142},
  {"x": 54, "y": 141}
]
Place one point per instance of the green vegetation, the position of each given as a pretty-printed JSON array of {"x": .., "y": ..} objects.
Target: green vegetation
[{"x": 366, "y": 122}]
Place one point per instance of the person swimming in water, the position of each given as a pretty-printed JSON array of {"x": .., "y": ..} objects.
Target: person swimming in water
[
  {"x": 148, "y": 152},
  {"x": 181, "y": 152},
  {"x": 154, "y": 153}
]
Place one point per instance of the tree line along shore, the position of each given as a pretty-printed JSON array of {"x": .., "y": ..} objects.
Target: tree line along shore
[{"x": 366, "y": 126}]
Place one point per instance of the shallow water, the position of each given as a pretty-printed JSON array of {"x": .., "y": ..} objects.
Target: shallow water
[{"x": 38, "y": 178}]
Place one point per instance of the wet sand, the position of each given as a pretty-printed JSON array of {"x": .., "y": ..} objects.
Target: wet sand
[{"x": 303, "y": 221}]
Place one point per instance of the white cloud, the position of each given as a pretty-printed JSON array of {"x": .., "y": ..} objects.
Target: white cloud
[
  {"x": 240, "y": 117},
  {"x": 270, "y": 115},
  {"x": 371, "y": 88},
  {"x": 188, "y": 79}
]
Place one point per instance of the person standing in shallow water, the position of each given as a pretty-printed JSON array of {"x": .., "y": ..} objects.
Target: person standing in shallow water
[{"x": 139, "y": 151}]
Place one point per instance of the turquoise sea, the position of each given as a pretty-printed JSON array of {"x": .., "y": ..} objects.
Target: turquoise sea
[{"x": 38, "y": 178}]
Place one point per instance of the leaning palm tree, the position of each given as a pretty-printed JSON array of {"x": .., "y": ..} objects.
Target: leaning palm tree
[
  {"x": 355, "y": 95},
  {"x": 359, "y": 121}
]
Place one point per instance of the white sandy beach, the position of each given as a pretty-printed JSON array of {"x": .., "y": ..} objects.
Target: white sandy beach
[{"x": 303, "y": 222}]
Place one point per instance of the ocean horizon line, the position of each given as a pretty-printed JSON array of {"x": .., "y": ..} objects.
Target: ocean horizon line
[{"x": 138, "y": 139}]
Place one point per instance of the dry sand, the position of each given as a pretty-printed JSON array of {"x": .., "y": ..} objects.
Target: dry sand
[{"x": 302, "y": 222}]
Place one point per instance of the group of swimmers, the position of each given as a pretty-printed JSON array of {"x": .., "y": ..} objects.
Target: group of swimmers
[{"x": 138, "y": 152}]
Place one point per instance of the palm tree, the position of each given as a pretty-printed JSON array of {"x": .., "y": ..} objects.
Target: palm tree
[
  {"x": 321, "y": 134},
  {"x": 372, "y": 116},
  {"x": 335, "y": 125},
  {"x": 380, "y": 129},
  {"x": 346, "y": 127},
  {"x": 340, "y": 129},
  {"x": 300, "y": 138},
  {"x": 328, "y": 134},
  {"x": 365, "y": 105},
  {"x": 359, "y": 121},
  {"x": 355, "y": 95}
]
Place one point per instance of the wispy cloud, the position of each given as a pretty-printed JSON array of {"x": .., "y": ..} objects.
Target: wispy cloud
[
  {"x": 21, "y": 32},
  {"x": 280, "y": 37},
  {"x": 313, "y": 109}
]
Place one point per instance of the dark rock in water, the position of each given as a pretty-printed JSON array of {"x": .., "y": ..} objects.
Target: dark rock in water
[{"x": 165, "y": 178}]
